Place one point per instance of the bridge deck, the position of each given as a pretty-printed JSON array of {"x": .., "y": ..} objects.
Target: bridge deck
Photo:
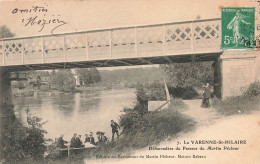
[{"x": 153, "y": 44}]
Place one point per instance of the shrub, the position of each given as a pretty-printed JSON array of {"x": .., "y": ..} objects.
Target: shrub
[
  {"x": 141, "y": 130},
  {"x": 253, "y": 90},
  {"x": 184, "y": 93},
  {"x": 13, "y": 134},
  {"x": 34, "y": 143},
  {"x": 152, "y": 128},
  {"x": 148, "y": 92},
  {"x": 19, "y": 143},
  {"x": 245, "y": 103},
  {"x": 178, "y": 105}
]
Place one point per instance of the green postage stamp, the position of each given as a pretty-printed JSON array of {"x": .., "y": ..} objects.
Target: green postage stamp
[{"x": 238, "y": 28}]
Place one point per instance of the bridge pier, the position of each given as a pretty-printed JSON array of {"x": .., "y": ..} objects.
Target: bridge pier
[
  {"x": 5, "y": 100},
  {"x": 5, "y": 87},
  {"x": 235, "y": 71}
]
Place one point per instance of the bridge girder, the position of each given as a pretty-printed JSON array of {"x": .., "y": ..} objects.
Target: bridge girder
[{"x": 115, "y": 62}]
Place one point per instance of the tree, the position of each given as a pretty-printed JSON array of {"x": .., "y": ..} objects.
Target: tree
[
  {"x": 63, "y": 80},
  {"x": 88, "y": 76},
  {"x": 22, "y": 144},
  {"x": 5, "y": 32},
  {"x": 34, "y": 143},
  {"x": 189, "y": 74},
  {"x": 198, "y": 17}
]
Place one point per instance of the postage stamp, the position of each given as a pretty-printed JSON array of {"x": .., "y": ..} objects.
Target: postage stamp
[{"x": 238, "y": 28}]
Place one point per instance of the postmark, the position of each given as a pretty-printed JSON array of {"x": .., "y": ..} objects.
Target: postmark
[{"x": 238, "y": 28}]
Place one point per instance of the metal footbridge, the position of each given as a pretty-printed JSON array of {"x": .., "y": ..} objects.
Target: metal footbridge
[{"x": 198, "y": 40}]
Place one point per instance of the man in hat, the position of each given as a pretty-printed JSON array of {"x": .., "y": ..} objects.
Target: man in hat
[
  {"x": 115, "y": 128},
  {"x": 79, "y": 142},
  {"x": 87, "y": 139},
  {"x": 92, "y": 139},
  {"x": 73, "y": 141},
  {"x": 61, "y": 142},
  {"x": 99, "y": 136},
  {"x": 206, "y": 96},
  {"x": 103, "y": 137}
]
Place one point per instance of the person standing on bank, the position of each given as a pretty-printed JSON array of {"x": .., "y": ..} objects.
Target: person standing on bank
[
  {"x": 206, "y": 96},
  {"x": 115, "y": 128}
]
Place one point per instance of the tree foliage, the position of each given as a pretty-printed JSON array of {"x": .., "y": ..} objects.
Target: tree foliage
[
  {"x": 131, "y": 76},
  {"x": 5, "y": 32},
  {"x": 34, "y": 143},
  {"x": 189, "y": 74},
  {"x": 88, "y": 76},
  {"x": 63, "y": 80},
  {"x": 22, "y": 144},
  {"x": 149, "y": 92}
]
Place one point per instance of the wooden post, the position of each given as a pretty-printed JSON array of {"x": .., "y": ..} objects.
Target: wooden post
[{"x": 68, "y": 151}]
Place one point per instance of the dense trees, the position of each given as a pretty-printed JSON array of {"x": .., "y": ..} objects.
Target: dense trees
[
  {"x": 5, "y": 32},
  {"x": 88, "y": 76},
  {"x": 34, "y": 143},
  {"x": 22, "y": 144},
  {"x": 62, "y": 79},
  {"x": 154, "y": 91},
  {"x": 189, "y": 74},
  {"x": 131, "y": 76}
]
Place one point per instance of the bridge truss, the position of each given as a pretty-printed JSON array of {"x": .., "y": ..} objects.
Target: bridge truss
[{"x": 198, "y": 40}]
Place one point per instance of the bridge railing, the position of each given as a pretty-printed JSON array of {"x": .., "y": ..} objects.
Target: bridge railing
[{"x": 189, "y": 37}]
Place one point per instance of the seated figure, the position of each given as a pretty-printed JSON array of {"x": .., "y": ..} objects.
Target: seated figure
[{"x": 61, "y": 142}]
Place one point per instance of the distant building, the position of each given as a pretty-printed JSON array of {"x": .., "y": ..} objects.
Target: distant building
[
  {"x": 77, "y": 80},
  {"x": 34, "y": 82}
]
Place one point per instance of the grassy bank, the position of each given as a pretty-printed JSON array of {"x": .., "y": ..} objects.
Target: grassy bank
[
  {"x": 247, "y": 102},
  {"x": 140, "y": 131},
  {"x": 141, "y": 128}
]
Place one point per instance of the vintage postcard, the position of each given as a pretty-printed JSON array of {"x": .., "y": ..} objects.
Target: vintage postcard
[{"x": 130, "y": 81}]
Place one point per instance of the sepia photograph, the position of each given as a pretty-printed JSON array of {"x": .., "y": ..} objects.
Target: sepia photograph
[{"x": 129, "y": 81}]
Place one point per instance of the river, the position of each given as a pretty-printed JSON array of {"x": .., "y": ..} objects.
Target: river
[{"x": 79, "y": 113}]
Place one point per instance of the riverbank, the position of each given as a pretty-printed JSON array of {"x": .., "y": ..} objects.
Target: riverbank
[
  {"x": 34, "y": 92},
  {"x": 140, "y": 130},
  {"x": 234, "y": 127}
]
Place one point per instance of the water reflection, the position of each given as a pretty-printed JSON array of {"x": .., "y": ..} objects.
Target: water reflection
[{"x": 76, "y": 113}]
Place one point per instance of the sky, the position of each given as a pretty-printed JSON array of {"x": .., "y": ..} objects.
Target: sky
[{"x": 100, "y": 14}]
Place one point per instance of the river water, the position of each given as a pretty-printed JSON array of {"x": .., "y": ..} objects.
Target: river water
[{"x": 79, "y": 113}]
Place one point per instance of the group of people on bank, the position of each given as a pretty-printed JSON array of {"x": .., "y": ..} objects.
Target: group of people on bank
[
  {"x": 76, "y": 141},
  {"x": 89, "y": 141}
]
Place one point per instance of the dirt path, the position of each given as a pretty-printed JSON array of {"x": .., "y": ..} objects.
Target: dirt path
[
  {"x": 210, "y": 126},
  {"x": 203, "y": 116}
]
